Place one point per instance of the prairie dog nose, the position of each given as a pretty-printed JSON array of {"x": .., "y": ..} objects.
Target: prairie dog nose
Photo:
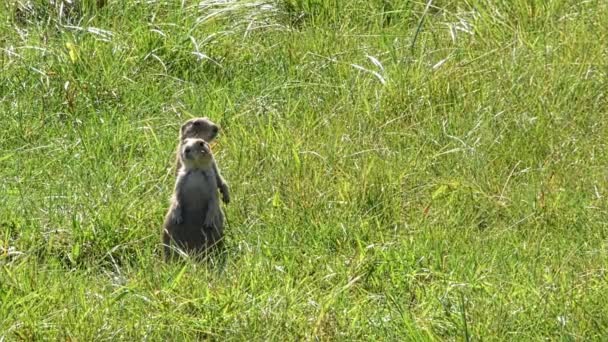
[{"x": 187, "y": 151}]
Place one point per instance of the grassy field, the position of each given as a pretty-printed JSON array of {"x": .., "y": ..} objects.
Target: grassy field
[{"x": 398, "y": 171}]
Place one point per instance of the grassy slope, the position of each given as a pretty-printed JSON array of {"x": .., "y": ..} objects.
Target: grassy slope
[{"x": 454, "y": 188}]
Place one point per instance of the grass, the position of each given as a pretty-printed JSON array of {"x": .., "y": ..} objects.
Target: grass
[{"x": 397, "y": 171}]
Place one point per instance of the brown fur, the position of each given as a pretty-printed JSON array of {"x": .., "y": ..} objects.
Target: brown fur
[
  {"x": 202, "y": 128},
  {"x": 194, "y": 222}
]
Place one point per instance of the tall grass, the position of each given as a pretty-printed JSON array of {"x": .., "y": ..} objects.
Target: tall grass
[{"x": 399, "y": 169}]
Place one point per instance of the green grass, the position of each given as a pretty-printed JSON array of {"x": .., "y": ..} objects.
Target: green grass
[{"x": 396, "y": 173}]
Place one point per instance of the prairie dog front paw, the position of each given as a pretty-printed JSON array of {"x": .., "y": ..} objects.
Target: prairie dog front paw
[{"x": 225, "y": 194}]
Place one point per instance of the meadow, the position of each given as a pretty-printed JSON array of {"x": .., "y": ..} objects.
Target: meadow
[{"x": 400, "y": 170}]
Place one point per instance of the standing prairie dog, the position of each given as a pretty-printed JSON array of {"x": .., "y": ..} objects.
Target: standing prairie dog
[
  {"x": 202, "y": 128},
  {"x": 194, "y": 222}
]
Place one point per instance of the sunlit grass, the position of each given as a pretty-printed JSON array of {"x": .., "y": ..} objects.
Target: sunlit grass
[{"x": 397, "y": 171}]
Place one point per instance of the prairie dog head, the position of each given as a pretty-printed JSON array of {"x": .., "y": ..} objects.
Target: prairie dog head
[
  {"x": 195, "y": 154},
  {"x": 201, "y": 128}
]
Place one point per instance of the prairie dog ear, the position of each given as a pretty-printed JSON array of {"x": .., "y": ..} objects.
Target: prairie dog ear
[{"x": 184, "y": 126}]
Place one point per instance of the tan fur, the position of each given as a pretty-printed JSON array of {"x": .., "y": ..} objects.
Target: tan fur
[
  {"x": 202, "y": 128},
  {"x": 194, "y": 222}
]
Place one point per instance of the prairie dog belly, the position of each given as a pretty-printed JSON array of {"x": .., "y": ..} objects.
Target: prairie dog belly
[{"x": 200, "y": 189}]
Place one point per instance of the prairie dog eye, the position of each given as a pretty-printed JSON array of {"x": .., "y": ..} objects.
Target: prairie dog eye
[
  {"x": 200, "y": 144},
  {"x": 196, "y": 123}
]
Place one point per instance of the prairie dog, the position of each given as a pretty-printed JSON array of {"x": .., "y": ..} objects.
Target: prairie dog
[
  {"x": 202, "y": 128},
  {"x": 194, "y": 222}
]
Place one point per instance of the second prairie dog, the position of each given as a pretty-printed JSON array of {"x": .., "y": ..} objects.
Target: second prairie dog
[
  {"x": 194, "y": 222},
  {"x": 202, "y": 128}
]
